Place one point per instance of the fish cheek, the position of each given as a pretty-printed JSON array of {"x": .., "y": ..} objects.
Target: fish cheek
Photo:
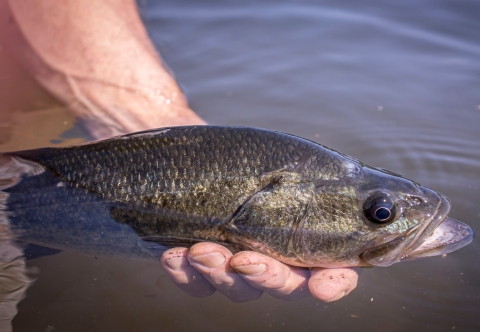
[
  {"x": 388, "y": 253},
  {"x": 331, "y": 233},
  {"x": 316, "y": 248}
]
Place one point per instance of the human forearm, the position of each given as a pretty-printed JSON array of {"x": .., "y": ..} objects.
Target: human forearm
[{"x": 97, "y": 58}]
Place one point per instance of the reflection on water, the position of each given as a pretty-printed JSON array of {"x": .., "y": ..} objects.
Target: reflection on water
[
  {"x": 13, "y": 273},
  {"x": 13, "y": 280},
  {"x": 394, "y": 84}
]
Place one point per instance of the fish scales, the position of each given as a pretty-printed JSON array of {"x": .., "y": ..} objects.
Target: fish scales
[
  {"x": 113, "y": 169},
  {"x": 282, "y": 195}
]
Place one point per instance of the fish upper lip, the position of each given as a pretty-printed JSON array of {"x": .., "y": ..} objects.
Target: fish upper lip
[{"x": 428, "y": 227}]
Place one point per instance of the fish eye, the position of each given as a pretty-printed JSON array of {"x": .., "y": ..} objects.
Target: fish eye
[{"x": 379, "y": 209}]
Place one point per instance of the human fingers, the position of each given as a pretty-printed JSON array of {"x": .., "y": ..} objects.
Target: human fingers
[
  {"x": 332, "y": 284},
  {"x": 175, "y": 263},
  {"x": 213, "y": 261},
  {"x": 277, "y": 279}
]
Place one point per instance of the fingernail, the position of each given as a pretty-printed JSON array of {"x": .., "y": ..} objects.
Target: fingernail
[
  {"x": 214, "y": 259},
  {"x": 252, "y": 270},
  {"x": 176, "y": 263},
  {"x": 338, "y": 297}
]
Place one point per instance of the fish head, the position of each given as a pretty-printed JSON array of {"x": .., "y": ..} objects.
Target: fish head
[
  {"x": 403, "y": 213},
  {"x": 375, "y": 217}
]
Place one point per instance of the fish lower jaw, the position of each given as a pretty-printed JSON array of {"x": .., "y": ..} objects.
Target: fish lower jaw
[{"x": 449, "y": 236}]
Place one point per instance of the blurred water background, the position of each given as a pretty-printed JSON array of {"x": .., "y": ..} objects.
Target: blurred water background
[{"x": 395, "y": 84}]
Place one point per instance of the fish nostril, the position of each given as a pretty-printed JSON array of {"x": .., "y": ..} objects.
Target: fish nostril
[{"x": 414, "y": 200}]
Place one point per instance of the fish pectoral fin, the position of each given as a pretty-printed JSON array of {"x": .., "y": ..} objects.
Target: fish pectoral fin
[
  {"x": 172, "y": 241},
  {"x": 268, "y": 219},
  {"x": 271, "y": 183}
]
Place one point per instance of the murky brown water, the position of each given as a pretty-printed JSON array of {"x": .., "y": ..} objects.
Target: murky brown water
[{"x": 395, "y": 84}]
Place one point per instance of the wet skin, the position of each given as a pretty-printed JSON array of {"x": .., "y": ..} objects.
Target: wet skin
[{"x": 209, "y": 267}]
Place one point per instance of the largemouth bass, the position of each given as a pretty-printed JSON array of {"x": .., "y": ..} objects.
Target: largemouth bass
[{"x": 278, "y": 194}]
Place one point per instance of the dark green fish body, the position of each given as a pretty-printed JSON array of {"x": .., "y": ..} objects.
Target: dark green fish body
[{"x": 275, "y": 193}]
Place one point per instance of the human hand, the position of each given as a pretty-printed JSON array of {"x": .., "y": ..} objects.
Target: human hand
[{"x": 209, "y": 267}]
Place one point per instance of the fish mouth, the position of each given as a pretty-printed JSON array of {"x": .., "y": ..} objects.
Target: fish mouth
[
  {"x": 427, "y": 228},
  {"x": 436, "y": 236},
  {"x": 447, "y": 237}
]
